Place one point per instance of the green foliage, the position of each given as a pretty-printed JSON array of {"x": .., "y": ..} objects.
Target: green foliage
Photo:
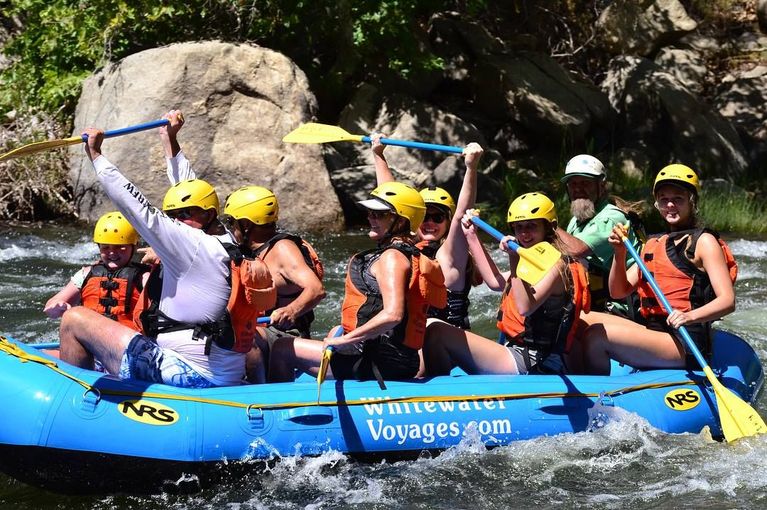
[
  {"x": 62, "y": 41},
  {"x": 728, "y": 211}
]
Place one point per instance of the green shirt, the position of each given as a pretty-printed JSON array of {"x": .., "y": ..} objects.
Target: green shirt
[{"x": 594, "y": 233}]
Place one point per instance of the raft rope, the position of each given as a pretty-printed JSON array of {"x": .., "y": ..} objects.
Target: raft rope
[{"x": 12, "y": 349}]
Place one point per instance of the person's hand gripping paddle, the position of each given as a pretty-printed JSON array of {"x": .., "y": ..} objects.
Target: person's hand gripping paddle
[
  {"x": 534, "y": 262},
  {"x": 738, "y": 418}
]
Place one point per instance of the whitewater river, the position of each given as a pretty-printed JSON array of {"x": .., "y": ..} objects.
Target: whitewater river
[{"x": 627, "y": 464}]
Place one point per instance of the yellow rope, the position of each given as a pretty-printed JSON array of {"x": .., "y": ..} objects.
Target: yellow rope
[{"x": 14, "y": 350}]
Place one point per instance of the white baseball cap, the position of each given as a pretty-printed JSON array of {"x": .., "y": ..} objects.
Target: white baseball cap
[{"x": 584, "y": 165}]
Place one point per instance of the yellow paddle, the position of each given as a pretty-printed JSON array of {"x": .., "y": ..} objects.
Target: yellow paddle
[
  {"x": 325, "y": 362},
  {"x": 52, "y": 144},
  {"x": 313, "y": 132},
  {"x": 534, "y": 262},
  {"x": 738, "y": 419}
]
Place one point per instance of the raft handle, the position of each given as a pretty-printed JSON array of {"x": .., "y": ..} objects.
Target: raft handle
[
  {"x": 315, "y": 415},
  {"x": 255, "y": 416},
  {"x": 91, "y": 398}
]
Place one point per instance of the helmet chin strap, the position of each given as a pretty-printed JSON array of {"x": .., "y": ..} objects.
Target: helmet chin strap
[
  {"x": 210, "y": 223},
  {"x": 389, "y": 234}
]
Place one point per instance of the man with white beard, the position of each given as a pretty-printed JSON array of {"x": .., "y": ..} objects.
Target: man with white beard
[{"x": 593, "y": 219}]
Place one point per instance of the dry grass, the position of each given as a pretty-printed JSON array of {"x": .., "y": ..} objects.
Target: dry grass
[{"x": 34, "y": 187}]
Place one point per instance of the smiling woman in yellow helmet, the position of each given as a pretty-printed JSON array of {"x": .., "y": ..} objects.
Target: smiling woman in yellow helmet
[
  {"x": 388, "y": 289},
  {"x": 537, "y": 322},
  {"x": 693, "y": 268},
  {"x": 112, "y": 286},
  {"x": 440, "y": 233}
]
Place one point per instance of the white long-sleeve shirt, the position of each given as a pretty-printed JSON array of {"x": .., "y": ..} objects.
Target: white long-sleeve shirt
[
  {"x": 195, "y": 289},
  {"x": 179, "y": 168}
]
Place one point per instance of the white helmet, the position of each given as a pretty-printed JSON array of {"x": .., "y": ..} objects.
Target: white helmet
[{"x": 585, "y": 166}]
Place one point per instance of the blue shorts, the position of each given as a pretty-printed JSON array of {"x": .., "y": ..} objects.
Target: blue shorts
[{"x": 146, "y": 361}]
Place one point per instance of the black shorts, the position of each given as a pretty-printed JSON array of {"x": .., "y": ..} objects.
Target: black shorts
[
  {"x": 394, "y": 362},
  {"x": 700, "y": 334}
]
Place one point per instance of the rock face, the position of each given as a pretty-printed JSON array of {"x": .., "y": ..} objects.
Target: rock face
[
  {"x": 656, "y": 102},
  {"x": 238, "y": 101},
  {"x": 658, "y": 115}
]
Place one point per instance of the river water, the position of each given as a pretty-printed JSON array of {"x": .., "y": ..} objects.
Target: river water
[{"x": 627, "y": 464}]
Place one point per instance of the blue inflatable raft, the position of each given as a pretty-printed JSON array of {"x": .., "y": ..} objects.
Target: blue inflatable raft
[{"x": 78, "y": 431}]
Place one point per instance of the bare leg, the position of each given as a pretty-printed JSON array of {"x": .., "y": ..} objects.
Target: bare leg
[
  {"x": 447, "y": 346},
  {"x": 85, "y": 334},
  {"x": 289, "y": 353},
  {"x": 254, "y": 366},
  {"x": 632, "y": 344}
]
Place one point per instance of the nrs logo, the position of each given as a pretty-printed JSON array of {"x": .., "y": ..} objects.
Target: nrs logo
[
  {"x": 148, "y": 412},
  {"x": 682, "y": 400}
]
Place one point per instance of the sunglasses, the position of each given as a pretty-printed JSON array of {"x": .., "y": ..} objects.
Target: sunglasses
[
  {"x": 434, "y": 217},
  {"x": 181, "y": 214},
  {"x": 378, "y": 215}
]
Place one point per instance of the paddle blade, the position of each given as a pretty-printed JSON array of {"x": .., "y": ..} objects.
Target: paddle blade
[
  {"x": 324, "y": 364},
  {"x": 536, "y": 261},
  {"x": 320, "y": 133},
  {"x": 39, "y": 147},
  {"x": 737, "y": 417}
]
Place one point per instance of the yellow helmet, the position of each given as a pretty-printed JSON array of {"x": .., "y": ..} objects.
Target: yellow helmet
[
  {"x": 439, "y": 197},
  {"x": 113, "y": 228},
  {"x": 531, "y": 206},
  {"x": 399, "y": 198},
  {"x": 681, "y": 175},
  {"x": 253, "y": 203},
  {"x": 191, "y": 193}
]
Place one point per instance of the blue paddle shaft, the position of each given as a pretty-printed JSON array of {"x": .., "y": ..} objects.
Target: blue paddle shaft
[
  {"x": 666, "y": 305},
  {"x": 132, "y": 129},
  {"x": 264, "y": 320},
  {"x": 482, "y": 224},
  {"x": 418, "y": 145}
]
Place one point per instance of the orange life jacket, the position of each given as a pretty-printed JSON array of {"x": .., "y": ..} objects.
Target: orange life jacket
[
  {"x": 548, "y": 330},
  {"x": 363, "y": 300},
  {"x": 252, "y": 292},
  {"x": 669, "y": 257},
  {"x": 113, "y": 294}
]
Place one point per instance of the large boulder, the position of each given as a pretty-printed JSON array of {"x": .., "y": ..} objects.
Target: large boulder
[
  {"x": 640, "y": 27},
  {"x": 742, "y": 101},
  {"x": 537, "y": 94},
  {"x": 660, "y": 117},
  {"x": 238, "y": 101}
]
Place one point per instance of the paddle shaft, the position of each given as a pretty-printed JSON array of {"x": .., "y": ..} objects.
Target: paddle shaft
[
  {"x": 666, "y": 305},
  {"x": 417, "y": 145},
  {"x": 133, "y": 129},
  {"x": 493, "y": 232}
]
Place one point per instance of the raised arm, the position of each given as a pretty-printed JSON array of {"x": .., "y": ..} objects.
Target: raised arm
[
  {"x": 383, "y": 172},
  {"x": 178, "y": 167},
  {"x": 484, "y": 264},
  {"x": 453, "y": 255}
]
